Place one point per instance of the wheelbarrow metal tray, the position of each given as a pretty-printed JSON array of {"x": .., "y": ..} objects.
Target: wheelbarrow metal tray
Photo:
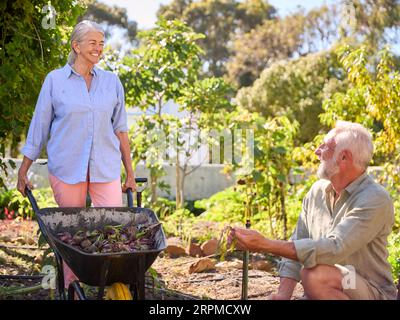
[{"x": 101, "y": 268}]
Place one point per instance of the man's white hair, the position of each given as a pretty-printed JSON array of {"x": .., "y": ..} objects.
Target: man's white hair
[
  {"x": 355, "y": 138},
  {"x": 79, "y": 32}
]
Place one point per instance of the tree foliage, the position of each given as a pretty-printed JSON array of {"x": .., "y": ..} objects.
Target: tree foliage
[
  {"x": 375, "y": 22},
  {"x": 264, "y": 180},
  {"x": 112, "y": 16},
  {"x": 167, "y": 67},
  {"x": 298, "y": 85},
  {"x": 372, "y": 99},
  {"x": 281, "y": 39},
  {"x": 296, "y": 89},
  {"x": 220, "y": 21},
  {"x": 154, "y": 74},
  {"x": 28, "y": 51},
  {"x": 168, "y": 60}
]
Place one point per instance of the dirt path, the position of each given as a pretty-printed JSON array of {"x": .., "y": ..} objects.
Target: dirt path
[{"x": 222, "y": 283}]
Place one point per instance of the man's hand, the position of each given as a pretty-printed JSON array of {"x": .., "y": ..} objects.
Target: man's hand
[
  {"x": 246, "y": 239},
  {"x": 129, "y": 183}
]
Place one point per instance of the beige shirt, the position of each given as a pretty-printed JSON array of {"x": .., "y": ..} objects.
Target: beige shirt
[{"x": 353, "y": 231}]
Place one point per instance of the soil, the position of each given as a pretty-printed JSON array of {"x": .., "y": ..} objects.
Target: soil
[{"x": 168, "y": 279}]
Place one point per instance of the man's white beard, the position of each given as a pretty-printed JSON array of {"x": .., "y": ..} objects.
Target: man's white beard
[{"x": 327, "y": 169}]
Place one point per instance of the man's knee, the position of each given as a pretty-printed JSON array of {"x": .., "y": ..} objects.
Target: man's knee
[{"x": 321, "y": 275}]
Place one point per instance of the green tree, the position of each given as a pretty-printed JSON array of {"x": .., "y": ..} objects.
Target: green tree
[
  {"x": 296, "y": 89},
  {"x": 281, "y": 39},
  {"x": 148, "y": 143},
  {"x": 264, "y": 179},
  {"x": 207, "y": 107},
  {"x": 167, "y": 68},
  {"x": 375, "y": 22},
  {"x": 373, "y": 100},
  {"x": 155, "y": 73},
  {"x": 112, "y": 16},
  {"x": 220, "y": 21},
  {"x": 29, "y": 48}
]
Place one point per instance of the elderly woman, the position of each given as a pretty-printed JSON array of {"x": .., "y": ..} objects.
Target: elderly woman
[{"x": 82, "y": 108}]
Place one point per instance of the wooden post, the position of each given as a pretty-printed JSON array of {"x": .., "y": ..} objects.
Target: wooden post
[{"x": 245, "y": 275}]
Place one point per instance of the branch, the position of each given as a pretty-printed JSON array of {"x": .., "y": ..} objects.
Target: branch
[
  {"x": 40, "y": 42},
  {"x": 194, "y": 169},
  {"x": 25, "y": 35}
]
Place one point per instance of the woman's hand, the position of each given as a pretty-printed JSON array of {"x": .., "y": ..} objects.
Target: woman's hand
[
  {"x": 23, "y": 181},
  {"x": 129, "y": 183},
  {"x": 246, "y": 239}
]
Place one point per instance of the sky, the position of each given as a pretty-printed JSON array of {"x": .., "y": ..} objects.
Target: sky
[{"x": 144, "y": 11}]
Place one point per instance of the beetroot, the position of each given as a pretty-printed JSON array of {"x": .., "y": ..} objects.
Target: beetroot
[{"x": 112, "y": 238}]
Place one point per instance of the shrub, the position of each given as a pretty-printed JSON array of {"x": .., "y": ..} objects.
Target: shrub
[
  {"x": 12, "y": 200},
  {"x": 394, "y": 254}
]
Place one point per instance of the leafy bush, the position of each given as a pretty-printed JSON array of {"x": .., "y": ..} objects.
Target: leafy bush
[
  {"x": 12, "y": 200},
  {"x": 225, "y": 206},
  {"x": 162, "y": 207},
  {"x": 179, "y": 223},
  {"x": 190, "y": 228},
  {"x": 394, "y": 254}
]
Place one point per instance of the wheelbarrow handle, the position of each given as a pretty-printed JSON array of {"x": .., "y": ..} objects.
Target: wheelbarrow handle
[
  {"x": 130, "y": 197},
  {"x": 140, "y": 180},
  {"x": 138, "y": 192},
  {"x": 32, "y": 199},
  {"x": 35, "y": 207}
]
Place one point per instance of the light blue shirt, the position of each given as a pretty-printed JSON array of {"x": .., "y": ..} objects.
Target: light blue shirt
[{"x": 81, "y": 124}]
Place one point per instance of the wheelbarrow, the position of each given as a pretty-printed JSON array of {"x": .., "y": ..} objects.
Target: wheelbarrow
[{"x": 100, "y": 269}]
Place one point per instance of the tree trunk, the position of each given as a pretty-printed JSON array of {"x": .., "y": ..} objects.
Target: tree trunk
[
  {"x": 178, "y": 201},
  {"x": 153, "y": 182},
  {"x": 182, "y": 186},
  {"x": 283, "y": 211}
]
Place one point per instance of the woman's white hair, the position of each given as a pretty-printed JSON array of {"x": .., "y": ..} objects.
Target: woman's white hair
[
  {"x": 79, "y": 32},
  {"x": 355, "y": 138}
]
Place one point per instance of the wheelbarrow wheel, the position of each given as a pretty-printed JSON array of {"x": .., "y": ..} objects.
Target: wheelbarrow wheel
[{"x": 118, "y": 291}]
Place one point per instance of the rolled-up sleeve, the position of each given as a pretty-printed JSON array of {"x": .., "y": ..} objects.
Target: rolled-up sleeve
[
  {"x": 39, "y": 128},
  {"x": 289, "y": 268},
  {"x": 359, "y": 226},
  {"x": 119, "y": 117}
]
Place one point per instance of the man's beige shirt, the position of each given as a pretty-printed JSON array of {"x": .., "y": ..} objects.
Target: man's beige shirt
[{"x": 353, "y": 231}]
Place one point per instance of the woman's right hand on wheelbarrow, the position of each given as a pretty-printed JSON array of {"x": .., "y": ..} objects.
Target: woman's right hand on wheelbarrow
[
  {"x": 129, "y": 183},
  {"x": 23, "y": 180}
]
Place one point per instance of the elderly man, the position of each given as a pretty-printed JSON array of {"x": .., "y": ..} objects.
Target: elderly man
[{"x": 338, "y": 249}]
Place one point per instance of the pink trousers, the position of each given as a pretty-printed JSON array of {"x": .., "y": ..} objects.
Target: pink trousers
[{"x": 74, "y": 195}]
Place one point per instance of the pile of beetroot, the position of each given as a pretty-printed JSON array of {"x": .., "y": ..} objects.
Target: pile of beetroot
[{"x": 119, "y": 238}]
